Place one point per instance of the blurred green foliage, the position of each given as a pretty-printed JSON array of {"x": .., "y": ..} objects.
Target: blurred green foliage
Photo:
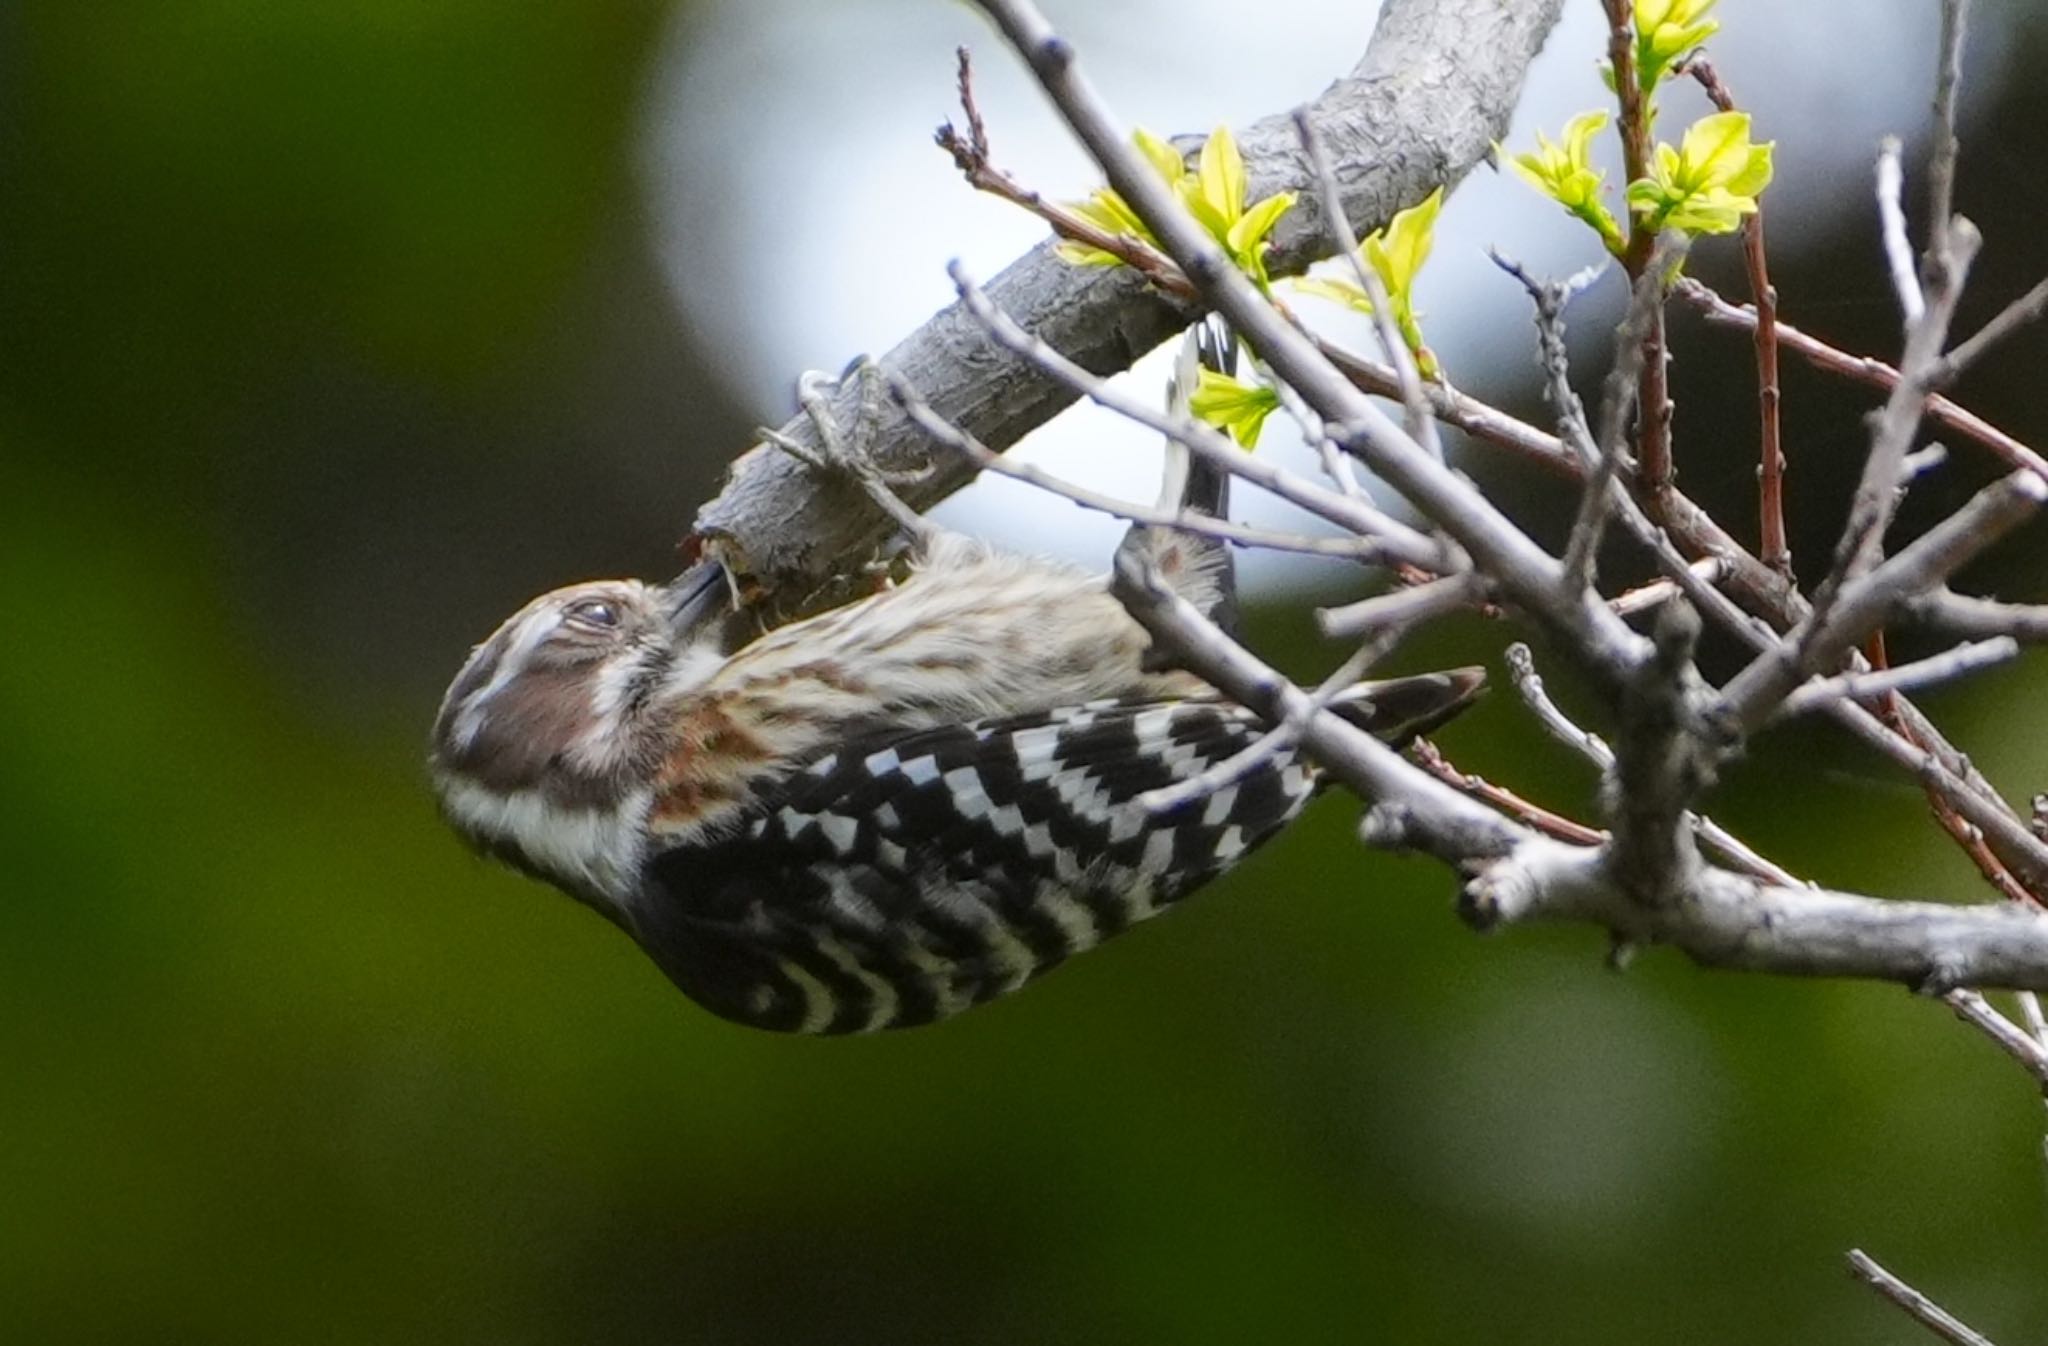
[{"x": 282, "y": 1063}]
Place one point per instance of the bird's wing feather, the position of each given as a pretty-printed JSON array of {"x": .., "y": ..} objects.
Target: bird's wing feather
[{"x": 901, "y": 878}]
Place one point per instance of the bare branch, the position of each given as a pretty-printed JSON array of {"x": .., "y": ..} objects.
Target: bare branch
[
  {"x": 1409, "y": 605},
  {"x": 2019, "y": 1043},
  {"x": 1960, "y": 615},
  {"x": 1898, "y": 249},
  {"x": 1862, "y": 605},
  {"x": 1418, "y": 421},
  {"x": 1524, "y": 571},
  {"x": 2026, "y": 309},
  {"x": 1959, "y": 662},
  {"x": 1863, "y": 369},
  {"x": 1727, "y": 921},
  {"x": 1187, "y": 521},
  {"x": 1398, "y": 540},
  {"x": 1929, "y": 1314}
]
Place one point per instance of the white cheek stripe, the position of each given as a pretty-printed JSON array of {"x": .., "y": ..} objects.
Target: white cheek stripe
[{"x": 511, "y": 664}]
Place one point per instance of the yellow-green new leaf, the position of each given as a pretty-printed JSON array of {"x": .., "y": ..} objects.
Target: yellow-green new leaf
[
  {"x": 1665, "y": 31},
  {"x": 1398, "y": 251},
  {"x": 1109, "y": 212},
  {"x": 1221, "y": 170},
  {"x": 1564, "y": 172},
  {"x": 1213, "y": 192},
  {"x": 1160, "y": 153},
  {"x": 1238, "y": 408},
  {"x": 1332, "y": 288},
  {"x": 1709, "y": 182},
  {"x": 1112, "y": 215},
  {"x": 1253, "y": 226}
]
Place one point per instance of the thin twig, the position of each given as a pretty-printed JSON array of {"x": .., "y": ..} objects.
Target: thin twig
[
  {"x": 1929, "y": 1314},
  {"x": 2019, "y": 313},
  {"x": 1278, "y": 740},
  {"x": 1410, "y": 604},
  {"x": 1636, "y": 341},
  {"x": 1432, "y": 760},
  {"x": 2017, "y": 1042},
  {"x": 1528, "y": 684},
  {"x": 1876, "y": 499},
  {"x": 1941, "y": 165},
  {"x": 970, "y": 154},
  {"x": 1772, "y": 548},
  {"x": 1399, "y": 541},
  {"x": 1644, "y": 597},
  {"x": 1863, "y": 369},
  {"x": 1418, "y": 420},
  {"x": 1898, "y": 249},
  {"x": 1947, "y": 666},
  {"x": 986, "y": 459},
  {"x": 1862, "y": 605},
  {"x": 1337, "y": 464}
]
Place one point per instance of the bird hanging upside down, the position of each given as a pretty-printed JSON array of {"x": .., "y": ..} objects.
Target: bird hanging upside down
[{"x": 882, "y": 815}]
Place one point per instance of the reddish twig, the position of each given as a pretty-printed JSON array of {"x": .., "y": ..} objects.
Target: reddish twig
[
  {"x": 1654, "y": 469},
  {"x": 1763, "y": 592},
  {"x": 970, "y": 154},
  {"x": 1863, "y": 369},
  {"x": 1633, "y": 124},
  {"x": 1431, "y": 759},
  {"x": 1964, "y": 833},
  {"x": 1772, "y": 548}
]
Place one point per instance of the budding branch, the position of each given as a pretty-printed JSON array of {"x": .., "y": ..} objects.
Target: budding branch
[{"x": 1421, "y": 108}]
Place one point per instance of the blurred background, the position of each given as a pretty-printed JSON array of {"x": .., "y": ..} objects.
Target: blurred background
[{"x": 331, "y": 331}]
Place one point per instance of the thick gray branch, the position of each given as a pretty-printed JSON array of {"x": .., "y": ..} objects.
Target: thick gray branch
[
  {"x": 1727, "y": 921},
  {"x": 1433, "y": 90}
]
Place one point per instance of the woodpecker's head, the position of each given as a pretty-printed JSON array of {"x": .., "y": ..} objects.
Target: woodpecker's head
[{"x": 550, "y": 738}]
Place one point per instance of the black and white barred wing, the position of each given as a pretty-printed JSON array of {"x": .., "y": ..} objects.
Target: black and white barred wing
[{"x": 902, "y": 879}]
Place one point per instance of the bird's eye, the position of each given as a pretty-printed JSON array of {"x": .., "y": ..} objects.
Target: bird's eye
[{"x": 600, "y": 613}]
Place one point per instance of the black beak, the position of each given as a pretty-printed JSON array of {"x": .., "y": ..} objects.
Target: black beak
[{"x": 697, "y": 600}]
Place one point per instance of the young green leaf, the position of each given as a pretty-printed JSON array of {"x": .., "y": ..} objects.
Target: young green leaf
[
  {"x": 1396, "y": 253},
  {"x": 1239, "y": 408},
  {"x": 1213, "y": 192},
  {"x": 1666, "y": 30},
  {"x": 1708, "y": 183},
  {"x": 1563, "y": 171}
]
